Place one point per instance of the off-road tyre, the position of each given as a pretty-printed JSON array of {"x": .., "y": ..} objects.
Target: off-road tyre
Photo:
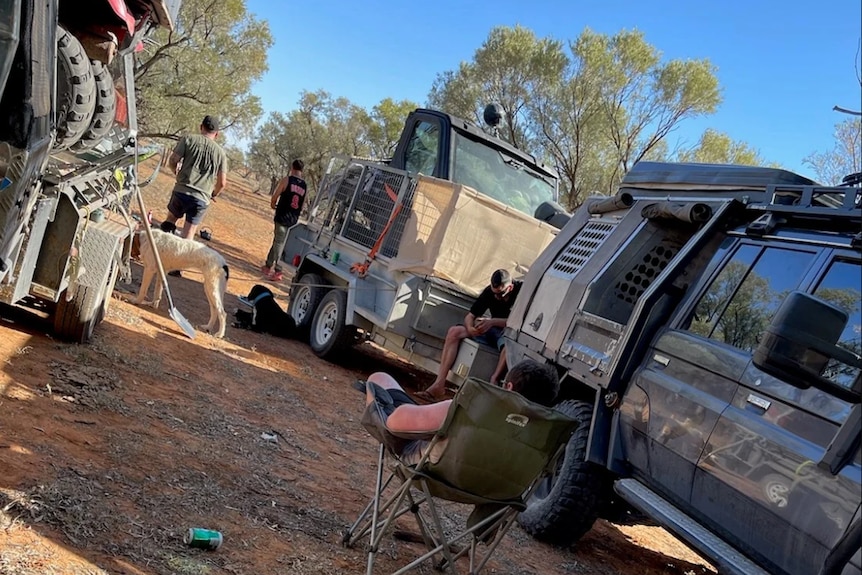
[
  {"x": 329, "y": 334},
  {"x": 76, "y": 320},
  {"x": 76, "y": 90},
  {"x": 305, "y": 296},
  {"x": 577, "y": 492},
  {"x": 105, "y": 109}
]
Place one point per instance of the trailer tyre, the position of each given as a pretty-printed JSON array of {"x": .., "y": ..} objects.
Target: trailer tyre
[
  {"x": 105, "y": 108},
  {"x": 76, "y": 90},
  {"x": 565, "y": 505},
  {"x": 329, "y": 333},
  {"x": 305, "y": 296}
]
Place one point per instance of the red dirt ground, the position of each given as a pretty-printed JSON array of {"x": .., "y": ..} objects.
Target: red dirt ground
[{"x": 110, "y": 451}]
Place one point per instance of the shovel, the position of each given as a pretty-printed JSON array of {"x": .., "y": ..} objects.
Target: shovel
[{"x": 175, "y": 314}]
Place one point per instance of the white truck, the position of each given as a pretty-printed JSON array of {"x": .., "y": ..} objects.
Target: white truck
[
  {"x": 67, "y": 148},
  {"x": 395, "y": 252}
]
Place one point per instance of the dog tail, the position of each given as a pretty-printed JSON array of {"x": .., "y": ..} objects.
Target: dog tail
[{"x": 226, "y": 272}]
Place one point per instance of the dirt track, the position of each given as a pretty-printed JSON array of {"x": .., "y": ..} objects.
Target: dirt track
[{"x": 109, "y": 452}]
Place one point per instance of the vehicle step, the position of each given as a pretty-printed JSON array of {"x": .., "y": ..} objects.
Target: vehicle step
[{"x": 726, "y": 559}]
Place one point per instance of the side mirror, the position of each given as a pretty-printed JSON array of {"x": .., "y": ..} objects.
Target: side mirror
[
  {"x": 553, "y": 214},
  {"x": 800, "y": 344}
]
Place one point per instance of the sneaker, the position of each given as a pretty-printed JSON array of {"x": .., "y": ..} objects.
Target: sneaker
[
  {"x": 276, "y": 276},
  {"x": 267, "y": 271}
]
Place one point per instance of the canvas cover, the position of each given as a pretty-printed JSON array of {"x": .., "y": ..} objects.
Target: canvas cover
[{"x": 459, "y": 235}]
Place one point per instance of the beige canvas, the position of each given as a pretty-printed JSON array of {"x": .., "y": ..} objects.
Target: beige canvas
[{"x": 458, "y": 235}]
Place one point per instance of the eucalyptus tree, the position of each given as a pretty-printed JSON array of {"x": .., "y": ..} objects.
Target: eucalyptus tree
[
  {"x": 845, "y": 157},
  {"x": 206, "y": 65}
]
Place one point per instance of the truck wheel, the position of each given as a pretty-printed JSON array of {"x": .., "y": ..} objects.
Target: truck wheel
[
  {"x": 777, "y": 489},
  {"x": 75, "y": 320},
  {"x": 105, "y": 108},
  {"x": 305, "y": 295},
  {"x": 566, "y": 504},
  {"x": 76, "y": 90},
  {"x": 329, "y": 334}
]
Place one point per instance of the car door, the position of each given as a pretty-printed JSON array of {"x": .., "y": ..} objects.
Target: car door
[
  {"x": 692, "y": 374},
  {"x": 759, "y": 482}
]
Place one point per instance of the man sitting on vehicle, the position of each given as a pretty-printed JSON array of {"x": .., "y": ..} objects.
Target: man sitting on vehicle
[{"x": 498, "y": 299}]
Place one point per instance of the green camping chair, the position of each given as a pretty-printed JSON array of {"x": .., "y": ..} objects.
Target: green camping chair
[{"x": 489, "y": 453}]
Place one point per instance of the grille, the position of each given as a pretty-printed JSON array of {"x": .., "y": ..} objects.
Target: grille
[
  {"x": 582, "y": 248},
  {"x": 632, "y": 286}
]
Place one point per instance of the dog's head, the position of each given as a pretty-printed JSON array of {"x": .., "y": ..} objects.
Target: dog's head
[{"x": 259, "y": 290}]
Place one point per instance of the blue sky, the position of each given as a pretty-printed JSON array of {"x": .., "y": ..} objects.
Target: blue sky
[{"x": 782, "y": 65}]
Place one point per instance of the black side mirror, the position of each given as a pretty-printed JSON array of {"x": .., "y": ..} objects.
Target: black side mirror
[
  {"x": 800, "y": 344},
  {"x": 553, "y": 214}
]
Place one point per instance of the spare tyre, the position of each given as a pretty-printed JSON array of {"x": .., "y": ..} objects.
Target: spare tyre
[
  {"x": 105, "y": 108},
  {"x": 76, "y": 90}
]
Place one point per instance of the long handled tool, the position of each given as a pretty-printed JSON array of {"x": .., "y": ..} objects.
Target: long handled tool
[{"x": 175, "y": 314}]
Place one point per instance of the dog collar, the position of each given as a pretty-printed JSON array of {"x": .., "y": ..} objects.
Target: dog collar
[{"x": 261, "y": 296}]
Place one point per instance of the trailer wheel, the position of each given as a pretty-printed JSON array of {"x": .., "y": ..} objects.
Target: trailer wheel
[
  {"x": 329, "y": 334},
  {"x": 75, "y": 320},
  {"x": 105, "y": 108},
  {"x": 567, "y": 503},
  {"x": 305, "y": 295},
  {"x": 76, "y": 90}
]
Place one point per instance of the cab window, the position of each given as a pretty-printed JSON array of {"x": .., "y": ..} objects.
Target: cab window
[
  {"x": 422, "y": 149},
  {"x": 742, "y": 299},
  {"x": 842, "y": 287}
]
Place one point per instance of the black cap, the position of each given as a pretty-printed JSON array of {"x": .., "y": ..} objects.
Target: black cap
[{"x": 210, "y": 123}]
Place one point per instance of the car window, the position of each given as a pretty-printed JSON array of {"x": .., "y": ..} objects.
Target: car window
[
  {"x": 422, "y": 149},
  {"x": 742, "y": 299},
  {"x": 842, "y": 287}
]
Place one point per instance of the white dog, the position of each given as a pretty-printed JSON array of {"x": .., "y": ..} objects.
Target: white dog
[{"x": 184, "y": 254}]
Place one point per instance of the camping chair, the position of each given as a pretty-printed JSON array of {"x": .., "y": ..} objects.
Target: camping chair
[{"x": 490, "y": 452}]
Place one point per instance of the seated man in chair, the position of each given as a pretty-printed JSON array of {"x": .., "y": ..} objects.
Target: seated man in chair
[{"x": 534, "y": 381}]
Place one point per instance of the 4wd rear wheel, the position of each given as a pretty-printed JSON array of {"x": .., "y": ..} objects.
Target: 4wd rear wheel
[
  {"x": 105, "y": 108},
  {"x": 567, "y": 503},
  {"x": 305, "y": 295},
  {"x": 329, "y": 333},
  {"x": 76, "y": 90}
]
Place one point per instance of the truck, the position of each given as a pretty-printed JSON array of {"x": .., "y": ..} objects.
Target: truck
[
  {"x": 706, "y": 323},
  {"x": 68, "y": 151},
  {"x": 395, "y": 251}
]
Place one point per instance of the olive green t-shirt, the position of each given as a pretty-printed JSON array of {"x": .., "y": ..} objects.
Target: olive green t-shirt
[{"x": 202, "y": 160}]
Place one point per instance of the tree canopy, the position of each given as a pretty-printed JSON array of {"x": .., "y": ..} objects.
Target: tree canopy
[
  {"x": 593, "y": 107},
  {"x": 845, "y": 157},
  {"x": 206, "y": 65}
]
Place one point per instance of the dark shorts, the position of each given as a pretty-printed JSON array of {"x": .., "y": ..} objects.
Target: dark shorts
[
  {"x": 492, "y": 338},
  {"x": 189, "y": 207}
]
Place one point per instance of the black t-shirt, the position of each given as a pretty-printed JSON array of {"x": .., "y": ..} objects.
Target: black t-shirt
[
  {"x": 290, "y": 202},
  {"x": 498, "y": 307}
]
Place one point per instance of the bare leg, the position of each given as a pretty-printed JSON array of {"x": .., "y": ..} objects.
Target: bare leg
[
  {"x": 189, "y": 230},
  {"x": 447, "y": 359},
  {"x": 500, "y": 371}
]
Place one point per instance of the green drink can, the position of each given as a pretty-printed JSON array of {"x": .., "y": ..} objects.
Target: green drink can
[
  {"x": 334, "y": 257},
  {"x": 203, "y": 538}
]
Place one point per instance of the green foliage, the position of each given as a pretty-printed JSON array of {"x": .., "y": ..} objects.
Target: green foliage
[
  {"x": 593, "y": 109},
  {"x": 844, "y": 158},
  {"x": 718, "y": 148},
  {"x": 207, "y": 65},
  {"x": 322, "y": 126}
]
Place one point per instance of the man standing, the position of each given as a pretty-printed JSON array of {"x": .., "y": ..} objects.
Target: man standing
[
  {"x": 287, "y": 200},
  {"x": 200, "y": 179},
  {"x": 498, "y": 299}
]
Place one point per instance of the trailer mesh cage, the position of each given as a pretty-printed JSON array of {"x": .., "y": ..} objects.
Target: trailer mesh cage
[{"x": 362, "y": 200}]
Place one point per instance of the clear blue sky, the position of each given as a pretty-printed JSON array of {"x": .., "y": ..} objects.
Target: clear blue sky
[{"x": 782, "y": 65}]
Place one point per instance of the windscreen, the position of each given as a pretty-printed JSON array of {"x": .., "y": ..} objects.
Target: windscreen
[{"x": 499, "y": 175}]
